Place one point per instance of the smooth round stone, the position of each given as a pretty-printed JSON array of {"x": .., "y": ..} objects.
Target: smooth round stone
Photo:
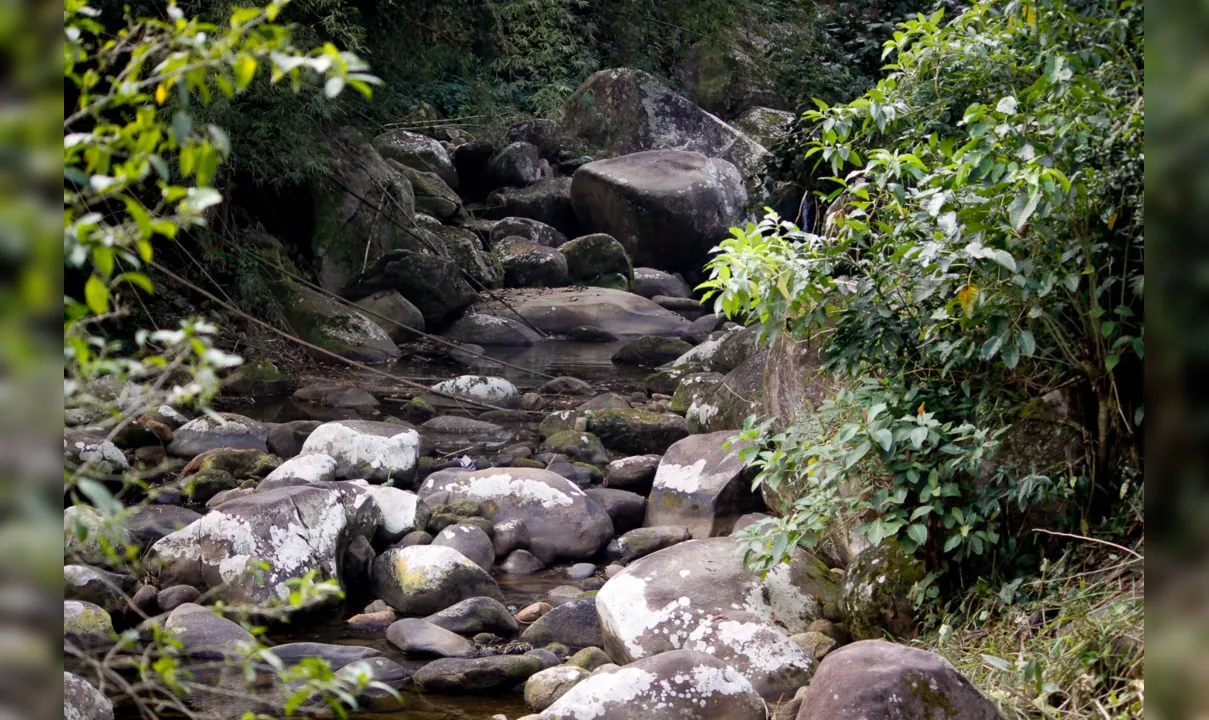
[{"x": 581, "y": 571}]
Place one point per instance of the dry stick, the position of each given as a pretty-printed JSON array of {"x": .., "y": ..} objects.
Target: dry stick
[
  {"x": 315, "y": 348},
  {"x": 367, "y": 311},
  {"x": 1091, "y": 539}
]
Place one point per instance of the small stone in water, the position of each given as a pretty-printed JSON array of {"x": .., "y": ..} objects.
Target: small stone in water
[
  {"x": 530, "y": 613},
  {"x": 581, "y": 571}
]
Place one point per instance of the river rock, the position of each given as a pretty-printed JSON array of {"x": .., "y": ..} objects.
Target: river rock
[
  {"x": 567, "y": 386},
  {"x": 476, "y": 615},
  {"x": 626, "y": 509},
  {"x": 227, "y": 431},
  {"x": 650, "y": 351},
  {"x": 467, "y": 252},
  {"x": 574, "y": 623},
  {"x": 425, "y": 579},
  {"x": 170, "y": 598},
  {"x": 528, "y": 264},
  {"x": 478, "y": 387},
  {"x": 459, "y": 676},
  {"x": 85, "y": 534},
  {"x": 701, "y": 484},
  {"x": 86, "y": 625},
  {"x": 558, "y": 311},
  {"x": 333, "y": 327},
  {"x": 531, "y": 230},
  {"x": 877, "y": 680},
  {"x": 670, "y": 686},
  {"x": 508, "y": 536},
  {"x": 294, "y": 529},
  {"x": 582, "y": 447},
  {"x": 285, "y": 440},
  {"x": 521, "y": 562},
  {"x": 205, "y": 635},
  {"x": 491, "y": 330},
  {"x": 547, "y": 201},
  {"x": 545, "y": 135},
  {"x": 630, "y": 111},
  {"x": 876, "y": 592},
  {"x": 604, "y": 401},
  {"x": 377, "y": 451},
  {"x": 649, "y": 282},
  {"x": 469, "y": 540},
  {"x": 635, "y": 473},
  {"x": 764, "y": 125},
  {"x": 148, "y": 523},
  {"x": 378, "y": 670},
  {"x": 337, "y": 656},
  {"x": 432, "y": 194},
  {"x": 299, "y": 470},
  {"x": 543, "y": 688},
  {"x": 421, "y": 638},
  {"x": 694, "y": 388},
  {"x": 701, "y": 328},
  {"x": 392, "y": 312},
  {"x": 82, "y": 701},
  {"x": 517, "y": 164},
  {"x": 637, "y": 431},
  {"x": 435, "y": 285},
  {"x": 108, "y": 590},
  {"x": 593, "y": 256},
  {"x": 241, "y": 464},
  {"x": 80, "y": 447},
  {"x": 417, "y": 151},
  {"x": 697, "y": 595},
  {"x": 641, "y": 542},
  {"x": 563, "y": 522},
  {"x": 401, "y": 510}
]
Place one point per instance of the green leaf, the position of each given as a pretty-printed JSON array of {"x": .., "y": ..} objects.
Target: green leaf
[
  {"x": 918, "y": 532},
  {"x": 856, "y": 454},
  {"x": 918, "y": 436},
  {"x": 1011, "y": 356},
  {"x": 991, "y": 346},
  {"x": 1027, "y": 343},
  {"x": 952, "y": 542},
  {"x": 96, "y": 295},
  {"x": 1004, "y": 258},
  {"x": 1022, "y": 209},
  {"x": 884, "y": 438}
]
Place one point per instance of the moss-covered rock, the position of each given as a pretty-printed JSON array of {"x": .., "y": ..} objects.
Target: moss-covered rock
[
  {"x": 86, "y": 625},
  {"x": 547, "y": 201},
  {"x": 393, "y": 313},
  {"x": 596, "y": 257},
  {"x": 764, "y": 125},
  {"x": 637, "y": 432},
  {"x": 433, "y": 284},
  {"x": 418, "y": 152},
  {"x": 257, "y": 377},
  {"x": 875, "y": 596},
  {"x": 693, "y": 388},
  {"x": 426, "y": 579},
  {"x": 466, "y": 250},
  {"x": 584, "y": 447},
  {"x": 432, "y": 196},
  {"x": 528, "y": 264},
  {"x": 333, "y": 327}
]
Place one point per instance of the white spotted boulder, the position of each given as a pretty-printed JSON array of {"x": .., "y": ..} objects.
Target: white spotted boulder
[
  {"x": 701, "y": 485},
  {"x": 563, "y": 522},
  {"x": 697, "y": 595},
  {"x": 294, "y": 530},
  {"x": 670, "y": 686},
  {"x": 478, "y": 387},
  {"x": 426, "y": 579},
  {"x": 227, "y": 430},
  {"x": 376, "y": 451}
]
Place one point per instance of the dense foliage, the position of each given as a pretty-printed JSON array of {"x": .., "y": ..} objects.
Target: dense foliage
[{"x": 983, "y": 246}]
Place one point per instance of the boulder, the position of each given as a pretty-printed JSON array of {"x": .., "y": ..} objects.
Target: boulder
[
  {"x": 394, "y": 314},
  {"x": 285, "y": 440},
  {"x": 337, "y": 656},
  {"x": 432, "y": 195},
  {"x": 590, "y": 658},
  {"x": 460, "y": 676},
  {"x": 649, "y": 282},
  {"x": 580, "y": 571},
  {"x": 637, "y": 431},
  {"x": 727, "y": 78},
  {"x": 528, "y": 264},
  {"x": 478, "y": 387},
  {"x": 228, "y": 430},
  {"x": 300, "y": 470},
  {"x": 698, "y": 595},
  {"x": 99, "y": 587},
  {"x": 469, "y": 540},
  {"x": 508, "y": 536},
  {"x": 591, "y": 334},
  {"x": 701, "y": 485},
  {"x": 624, "y": 110},
  {"x": 82, "y": 701},
  {"x": 532, "y": 230},
  {"x": 574, "y": 623},
  {"x": 626, "y": 509},
  {"x": 548, "y": 201},
  {"x": 543, "y": 688},
  {"x": 470, "y": 161},
  {"x": 333, "y": 327},
  {"x": 425, "y": 579},
  {"x": 635, "y": 473},
  {"x": 764, "y": 125},
  {"x": 701, "y": 328},
  {"x": 86, "y": 535},
  {"x": 205, "y": 635},
  {"x": 709, "y": 352},
  {"x": 402, "y": 513},
  {"x": 170, "y": 598},
  {"x": 103, "y": 457},
  {"x": 694, "y": 389},
  {"x": 643, "y": 541},
  {"x": 593, "y": 256},
  {"x": 383, "y": 671},
  {"x": 877, "y": 680},
  {"x": 516, "y": 164},
  {"x": 650, "y": 351},
  {"x": 491, "y": 331},
  {"x": 671, "y": 686},
  {"x": 567, "y": 386},
  {"x": 435, "y": 285},
  {"x": 148, "y": 523},
  {"x": 465, "y": 249},
  {"x": 451, "y": 432},
  {"x": 545, "y": 135},
  {"x": 368, "y": 210},
  {"x": 476, "y": 615},
  {"x": 86, "y": 625},
  {"x": 583, "y": 447},
  {"x": 376, "y": 451},
  {"x": 876, "y": 592},
  {"x": 563, "y": 522},
  {"x": 294, "y": 529},
  {"x": 604, "y": 401},
  {"x": 418, "y": 152},
  {"x": 558, "y": 311},
  {"x": 419, "y": 638},
  {"x": 521, "y": 562}
]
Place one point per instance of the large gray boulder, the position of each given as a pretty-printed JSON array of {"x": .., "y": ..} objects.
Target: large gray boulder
[
  {"x": 466, "y": 250},
  {"x": 368, "y": 209},
  {"x": 459, "y": 676},
  {"x": 697, "y": 595},
  {"x": 531, "y": 230},
  {"x": 433, "y": 196},
  {"x": 228, "y": 430},
  {"x": 575, "y": 624},
  {"x": 394, "y": 314},
  {"x": 701, "y": 485},
  {"x": 426, "y": 579},
  {"x": 674, "y": 685},
  {"x": 435, "y": 285},
  {"x": 334, "y": 327},
  {"x": 649, "y": 282},
  {"x": 559, "y": 311},
  {"x": 295, "y": 530},
  {"x": 667, "y": 208},
  {"x": 563, "y": 522},
  {"x": 545, "y": 135},
  {"x": 470, "y": 540},
  {"x": 82, "y": 701},
  {"x": 595, "y": 256},
  {"x": 547, "y": 201},
  {"x": 416, "y": 637},
  {"x": 517, "y": 164},
  {"x": 418, "y": 152},
  {"x": 622, "y": 111},
  {"x": 491, "y": 330},
  {"x": 878, "y": 680},
  {"x": 637, "y": 431},
  {"x": 528, "y": 264},
  {"x": 375, "y": 451}
]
